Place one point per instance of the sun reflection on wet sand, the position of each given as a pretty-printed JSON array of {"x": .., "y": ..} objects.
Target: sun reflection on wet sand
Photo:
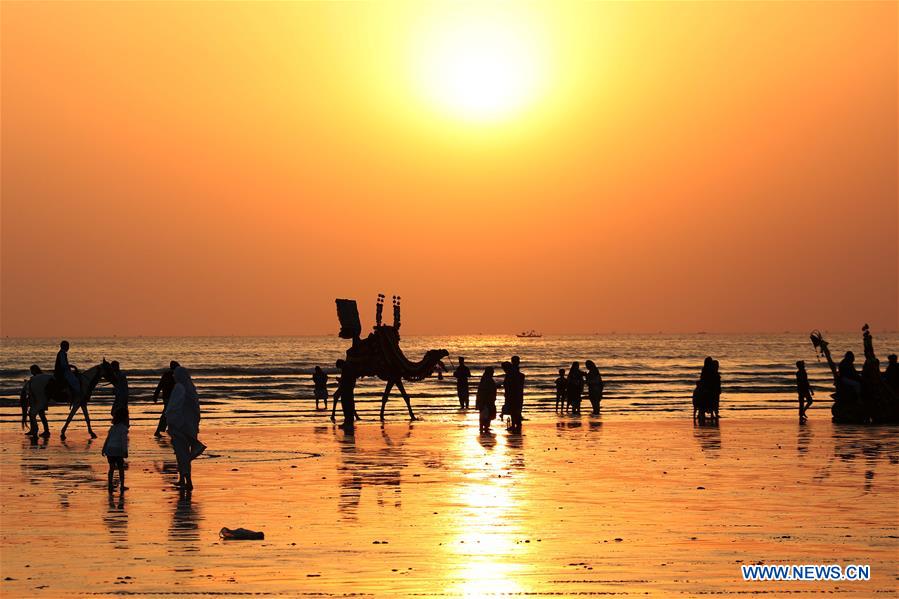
[{"x": 486, "y": 546}]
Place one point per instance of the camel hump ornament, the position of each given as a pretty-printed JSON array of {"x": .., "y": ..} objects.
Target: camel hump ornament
[{"x": 379, "y": 354}]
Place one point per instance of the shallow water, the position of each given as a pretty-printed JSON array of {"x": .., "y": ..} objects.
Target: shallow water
[
  {"x": 269, "y": 378},
  {"x": 589, "y": 506}
]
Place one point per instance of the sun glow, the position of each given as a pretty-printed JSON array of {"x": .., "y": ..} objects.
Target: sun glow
[{"x": 481, "y": 67}]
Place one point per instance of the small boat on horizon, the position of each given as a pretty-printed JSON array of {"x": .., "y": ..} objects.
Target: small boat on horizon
[{"x": 532, "y": 334}]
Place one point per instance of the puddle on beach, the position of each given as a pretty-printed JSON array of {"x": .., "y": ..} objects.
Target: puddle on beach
[{"x": 570, "y": 507}]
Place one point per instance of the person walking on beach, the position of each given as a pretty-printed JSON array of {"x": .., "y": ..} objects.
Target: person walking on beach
[
  {"x": 561, "y": 386},
  {"x": 34, "y": 405},
  {"x": 164, "y": 388},
  {"x": 575, "y": 388},
  {"x": 513, "y": 387},
  {"x": 183, "y": 419},
  {"x": 485, "y": 400},
  {"x": 594, "y": 385},
  {"x": 338, "y": 396},
  {"x": 120, "y": 390},
  {"x": 320, "y": 382},
  {"x": 115, "y": 449},
  {"x": 64, "y": 374},
  {"x": 346, "y": 390},
  {"x": 462, "y": 374},
  {"x": 804, "y": 389}
]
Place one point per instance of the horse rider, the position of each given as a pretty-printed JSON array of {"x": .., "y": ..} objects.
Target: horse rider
[{"x": 64, "y": 373}]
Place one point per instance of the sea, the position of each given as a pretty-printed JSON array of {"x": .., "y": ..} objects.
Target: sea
[{"x": 249, "y": 380}]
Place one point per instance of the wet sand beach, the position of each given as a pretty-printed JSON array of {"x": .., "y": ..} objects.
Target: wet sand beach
[{"x": 571, "y": 507}]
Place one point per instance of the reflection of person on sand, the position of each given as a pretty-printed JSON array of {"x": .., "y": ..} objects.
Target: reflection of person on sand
[
  {"x": 115, "y": 449},
  {"x": 804, "y": 389},
  {"x": 183, "y": 418},
  {"x": 485, "y": 400},
  {"x": 164, "y": 388},
  {"x": 594, "y": 386},
  {"x": 320, "y": 381},
  {"x": 34, "y": 405},
  {"x": 561, "y": 386},
  {"x": 185, "y": 527},
  {"x": 462, "y": 374},
  {"x": 575, "y": 388}
]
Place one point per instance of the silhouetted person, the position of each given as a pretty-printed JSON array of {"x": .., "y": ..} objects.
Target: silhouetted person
[
  {"x": 804, "y": 389},
  {"x": 66, "y": 377},
  {"x": 716, "y": 388},
  {"x": 347, "y": 389},
  {"x": 850, "y": 379},
  {"x": 64, "y": 373},
  {"x": 871, "y": 387},
  {"x": 708, "y": 390},
  {"x": 891, "y": 374},
  {"x": 337, "y": 397},
  {"x": 115, "y": 449},
  {"x": 164, "y": 388},
  {"x": 33, "y": 406},
  {"x": 320, "y": 381},
  {"x": 462, "y": 374},
  {"x": 594, "y": 385},
  {"x": 513, "y": 387},
  {"x": 575, "y": 388},
  {"x": 485, "y": 401},
  {"x": 561, "y": 390},
  {"x": 120, "y": 390},
  {"x": 183, "y": 420}
]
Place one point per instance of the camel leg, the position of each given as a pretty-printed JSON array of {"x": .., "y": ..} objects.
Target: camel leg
[
  {"x": 399, "y": 385},
  {"x": 87, "y": 419},
  {"x": 385, "y": 396}
]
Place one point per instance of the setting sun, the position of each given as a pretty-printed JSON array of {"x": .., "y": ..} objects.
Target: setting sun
[{"x": 481, "y": 67}]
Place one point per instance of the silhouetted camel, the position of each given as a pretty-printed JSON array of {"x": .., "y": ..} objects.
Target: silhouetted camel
[{"x": 380, "y": 355}]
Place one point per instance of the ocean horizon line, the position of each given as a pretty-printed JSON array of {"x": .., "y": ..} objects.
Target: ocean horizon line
[{"x": 417, "y": 334}]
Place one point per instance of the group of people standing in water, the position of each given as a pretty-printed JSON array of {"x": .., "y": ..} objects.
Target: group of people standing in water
[
  {"x": 485, "y": 397},
  {"x": 569, "y": 391},
  {"x": 570, "y": 388}
]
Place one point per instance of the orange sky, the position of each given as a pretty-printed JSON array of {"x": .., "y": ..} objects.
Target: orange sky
[{"x": 231, "y": 168}]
